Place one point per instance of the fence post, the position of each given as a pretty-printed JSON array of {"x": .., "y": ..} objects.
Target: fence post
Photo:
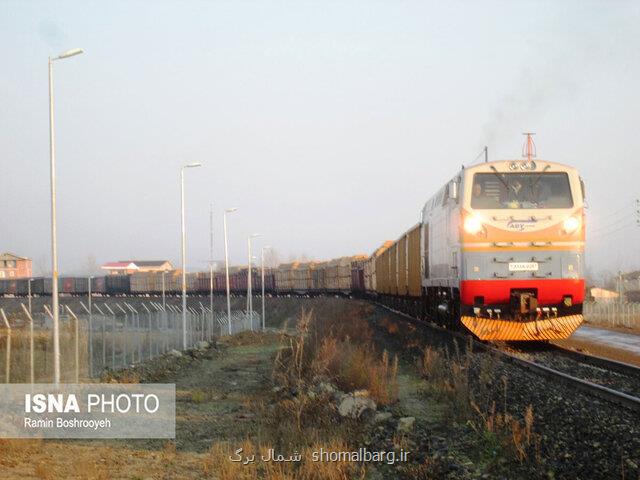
[
  {"x": 31, "y": 373},
  {"x": 90, "y": 339},
  {"x": 77, "y": 344},
  {"x": 125, "y": 338},
  {"x": 136, "y": 325},
  {"x": 104, "y": 347},
  {"x": 8, "y": 357},
  {"x": 113, "y": 336},
  {"x": 149, "y": 330}
]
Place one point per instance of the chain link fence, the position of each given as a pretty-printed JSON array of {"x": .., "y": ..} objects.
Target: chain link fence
[
  {"x": 106, "y": 336},
  {"x": 613, "y": 314}
]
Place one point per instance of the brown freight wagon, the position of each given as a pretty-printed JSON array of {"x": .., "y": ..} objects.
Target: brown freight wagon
[
  {"x": 397, "y": 272},
  {"x": 284, "y": 277},
  {"x": 382, "y": 272},
  {"x": 302, "y": 277},
  {"x": 414, "y": 288},
  {"x": 393, "y": 269},
  {"x": 318, "y": 277},
  {"x": 401, "y": 264},
  {"x": 370, "y": 280},
  {"x": 357, "y": 273}
]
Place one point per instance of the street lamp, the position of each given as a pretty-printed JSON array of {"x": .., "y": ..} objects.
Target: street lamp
[
  {"x": 266, "y": 247},
  {"x": 211, "y": 262},
  {"x": 184, "y": 255},
  {"x": 29, "y": 293},
  {"x": 89, "y": 292},
  {"x": 164, "y": 306},
  {"x": 226, "y": 263},
  {"x": 249, "y": 289},
  {"x": 54, "y": 241}
]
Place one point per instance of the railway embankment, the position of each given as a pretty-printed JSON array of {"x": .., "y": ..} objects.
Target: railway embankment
[{"x": 347, "y": 379}]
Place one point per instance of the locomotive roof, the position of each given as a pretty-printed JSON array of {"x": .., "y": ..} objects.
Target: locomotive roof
[{"x": 495, "y": 163}]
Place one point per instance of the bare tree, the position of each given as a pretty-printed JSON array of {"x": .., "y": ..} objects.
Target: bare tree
[
  {"x": 91, "y": 265},
  {"x": 271, "y": 258},
  {"x": 41, "y": 268}
]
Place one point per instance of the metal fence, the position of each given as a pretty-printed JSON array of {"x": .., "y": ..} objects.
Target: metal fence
[
  {"x": 614, "y": 314},
  {"x": 108, "y": 336}
]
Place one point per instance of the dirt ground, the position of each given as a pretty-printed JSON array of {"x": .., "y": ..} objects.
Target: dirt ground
[
  {"x": 228, "y": 397},
  {"x": 214, "y": 394}
]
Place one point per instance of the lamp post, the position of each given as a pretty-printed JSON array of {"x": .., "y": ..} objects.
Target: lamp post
[
  {"x": 249, "y": 289},
  {"x": 54, "y": 242},
  {"x": 226, "y": 263},
  {"x": 29, "y": 293},
  {"x": 262, "y": 283},
  {"x": 211, "y": 262},
  {"x": 89, "y": 278},
  {"x": 184, "y": 255},
  {"x": 89, "y": 293},
  {"x": 164, "y": 305}
]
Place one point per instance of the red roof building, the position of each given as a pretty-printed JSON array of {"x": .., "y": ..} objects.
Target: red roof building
[
  {"x": 13, "y": 266},
  {"x": 127, "y": 267}
]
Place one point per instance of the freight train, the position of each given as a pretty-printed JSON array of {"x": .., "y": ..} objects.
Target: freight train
[{"x": 498, "y": 250}]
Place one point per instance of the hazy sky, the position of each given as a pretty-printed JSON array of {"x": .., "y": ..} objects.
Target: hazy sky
[{"x": 328, "y": 124}]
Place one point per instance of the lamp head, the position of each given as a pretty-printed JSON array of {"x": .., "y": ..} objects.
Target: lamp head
[{"x": 69, "y": 53}]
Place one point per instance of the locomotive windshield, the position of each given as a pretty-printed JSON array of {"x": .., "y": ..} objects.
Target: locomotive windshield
[{"x": 499, "y": 190}]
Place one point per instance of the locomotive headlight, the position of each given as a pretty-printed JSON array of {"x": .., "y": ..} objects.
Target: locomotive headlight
[
  {"x": 472, "y": 225},
  {"x": 571, "y": 224}
]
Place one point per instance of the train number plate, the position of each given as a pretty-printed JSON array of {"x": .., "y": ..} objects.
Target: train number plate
[{"x": 523, "y": 266}]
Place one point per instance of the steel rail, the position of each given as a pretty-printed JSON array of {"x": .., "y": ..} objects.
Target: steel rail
[
  {"x": 597, "y": 361},
  {"x": 604, "y": 393}
]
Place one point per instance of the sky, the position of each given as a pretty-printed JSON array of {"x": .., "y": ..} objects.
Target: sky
[{"x": 328, "y": 124}]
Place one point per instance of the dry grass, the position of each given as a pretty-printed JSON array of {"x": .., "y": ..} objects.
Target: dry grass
[
  {"x": 449, "y": 378},
  {"x": 334, "y": 348},
  {"x": 219, "y": 465},
  {"x": 340, "y": 349},
  {"x": 43, "y": 353}
]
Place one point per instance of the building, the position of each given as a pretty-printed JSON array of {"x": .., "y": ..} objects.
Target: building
[
  {"x": 127, "y": 267},
  {"x": 13, "y": 266},
  {"x": 602, "y": 295}
]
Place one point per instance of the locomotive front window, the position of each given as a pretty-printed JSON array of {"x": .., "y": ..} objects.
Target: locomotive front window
[{"x": 499, "y": 190}]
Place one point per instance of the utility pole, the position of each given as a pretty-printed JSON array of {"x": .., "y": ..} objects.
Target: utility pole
[
  {"x": 211, "y": 260},
  {"x": 620, "y": 286},
  {"x": 184, "y": 253},
  {"x": 55, "y": 301}
]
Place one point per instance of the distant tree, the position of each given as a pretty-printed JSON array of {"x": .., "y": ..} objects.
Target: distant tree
[
  {"x": 271, "y": 258},
  {"x": 91, "y": 265},
  {"x": 41, "y": 268}
]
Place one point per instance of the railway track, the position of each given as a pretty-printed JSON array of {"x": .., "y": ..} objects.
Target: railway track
[{"x": 609, "y": 380}]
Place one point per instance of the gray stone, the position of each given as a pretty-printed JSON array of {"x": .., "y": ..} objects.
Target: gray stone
[
  {"x": 325, "y": 387},
  {"x": 405, "y": 424},
  {"x": 175, "y": 353},
  {"x": 382, "y": 417},
  {"x": 353, "y": 407}
]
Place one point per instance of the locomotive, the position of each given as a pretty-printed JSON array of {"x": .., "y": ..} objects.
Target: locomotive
[{"x": 499, "y": 249}]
